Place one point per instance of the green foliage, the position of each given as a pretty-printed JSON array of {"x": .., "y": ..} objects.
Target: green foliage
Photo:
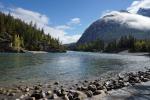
[
  {"x": 17, "y": 43},
  {"x": 28, "y": 36},
  {"x": 111, "y": 47},
  {"x": 97, "y": 45},
  {"x": 141, "y": 46},
  {"x": 124, "y": 43}
]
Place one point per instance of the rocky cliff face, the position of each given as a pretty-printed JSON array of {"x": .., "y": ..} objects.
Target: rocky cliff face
[{"x": 116, "y": 24}]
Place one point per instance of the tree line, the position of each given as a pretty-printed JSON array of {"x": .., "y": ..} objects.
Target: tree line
[
  {"x": 123, "y": 43},
  {"x": 27, "y": 36}
]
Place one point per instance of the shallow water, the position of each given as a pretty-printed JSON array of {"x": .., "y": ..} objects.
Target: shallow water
[{"x": 65, "y": 67}]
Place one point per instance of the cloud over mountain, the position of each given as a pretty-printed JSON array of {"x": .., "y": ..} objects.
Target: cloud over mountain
[
  {"x": 129, "y": 19},
  {"x": 114, "y": 24},
  {"x": 136, "y": 5}
]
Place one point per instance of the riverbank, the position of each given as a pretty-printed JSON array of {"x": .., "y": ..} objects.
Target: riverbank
[
  {"x": 85, "y": 90},
  {"x": 34, "y": 52},
  {"x": 126, "y": 52}
]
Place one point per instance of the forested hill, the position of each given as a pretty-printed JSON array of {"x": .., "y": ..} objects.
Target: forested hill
[{"x": 16, "y": 35}]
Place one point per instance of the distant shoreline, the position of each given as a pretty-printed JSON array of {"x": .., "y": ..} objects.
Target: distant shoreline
[
  {"x": 35, "y": 52},
  {"x": 134, "y": 53}
]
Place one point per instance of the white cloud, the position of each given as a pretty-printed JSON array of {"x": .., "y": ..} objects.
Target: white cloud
[
  {"x": 74, "y": 21},
  {"x": 42, "y": 21},
  {"x": 136, "y": 5},
  {"x": 63, "y": 27},
  {"x": 132, "y": 20},
  {"x": 69, "y": 25},
  {"x": 28, "y": 16}
]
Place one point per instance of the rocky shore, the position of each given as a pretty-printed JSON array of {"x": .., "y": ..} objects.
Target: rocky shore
[{"x": 85, "y": 90}]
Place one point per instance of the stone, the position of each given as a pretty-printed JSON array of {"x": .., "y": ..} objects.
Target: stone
[
  {"x": 70, "y": 96},
  {"x": 89, "y": 93},
  {"x": 100, "y": 87},
  {"x": 38, "y": 95},
  {"x": 66, "y": 97},
  {"x": 83, "y": 88},
  {"x": 77, "y": 98},
  {"x": 49, "y": 93},
  {"x": 92, "y": 88},
  {"x": 27, "y": 90},
  {"x": 37, "y": 87},
  {"x": 11, "y": 94},
  {"x": 75, "y": 95},
  {"x": 22, "y": 96},
  {"x": 56, "y": 83},
  {"x": 97, "y": 92},
  {"x": 85, "y": 81},
  {"x": 79, "y": 88},
  {"x": 58, "y": 92},
  {"x": 30, "y": 98},
  {"x": 54, "y": 96}
]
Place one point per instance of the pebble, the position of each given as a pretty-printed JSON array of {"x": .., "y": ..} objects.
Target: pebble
[
  {"x": 85, "y": 89},
  {"x": 92, "y": 88},
  {"x": 89, "y": 93},
  {"x": 56, "y": 83}
]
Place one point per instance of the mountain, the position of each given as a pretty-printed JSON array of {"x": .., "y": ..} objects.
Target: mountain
[
  {"x": 116, "y": 24},
  {"x": 144, "y": 12}
]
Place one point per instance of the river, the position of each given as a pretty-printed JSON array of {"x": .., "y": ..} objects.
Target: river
[{"x": 65, "y": 67}]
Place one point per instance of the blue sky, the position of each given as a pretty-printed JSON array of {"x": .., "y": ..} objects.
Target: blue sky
[{"x": 74, "y": 15}]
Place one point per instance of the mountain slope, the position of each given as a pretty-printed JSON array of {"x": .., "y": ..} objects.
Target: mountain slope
[{"x": 116, "y": 24}]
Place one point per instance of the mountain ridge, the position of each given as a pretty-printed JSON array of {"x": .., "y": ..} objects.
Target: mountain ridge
[{"x": 116, "y": 24}]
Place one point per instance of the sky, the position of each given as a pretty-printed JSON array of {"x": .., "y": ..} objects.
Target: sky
[{"x": 66, "y": 19}]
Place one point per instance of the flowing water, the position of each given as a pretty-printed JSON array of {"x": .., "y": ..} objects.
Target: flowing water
[{"x": 65, "y": 67}]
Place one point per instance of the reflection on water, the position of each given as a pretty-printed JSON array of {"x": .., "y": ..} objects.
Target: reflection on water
[{"x": 65, "y": 66}]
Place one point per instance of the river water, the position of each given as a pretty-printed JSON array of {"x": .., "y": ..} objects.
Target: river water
[{"x": 65, "y": 67}]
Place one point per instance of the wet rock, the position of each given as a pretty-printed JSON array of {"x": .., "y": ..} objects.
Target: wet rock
[
  {"x": 49, "y": 93},
  {"x": 101, "y": 87},
  {"x": 97, "y": 84},
  {"x": 144, "y": 79},
  {"x": 66, "y": 97},
  {"x": 73, "y": 93},
  {"x": 22, "y": 96},
  {"x": 109, "y": 84},
  {"x": 97, "y": 92},
  {"x": 134, "y": 79},
  {"x": 11, "y": 94},
  {"x": 92, "y": 88},
  {"x": 85, "y": 81},
  {"x": 89, "y": 93},
  {"x": 37, "y": 87},
  {"x": 77, "y": 98},
  {"x": 63, "y": 92},
  {"x": 54, "y": 96},
  {"x": 38, "y": 95},
  {"x": 58, "y": 92},
  {"x": 70, "y": 96},
  {"x": 27, "y": 90},
  {"x": 30, "y": 98},
  {"x": 84, "y": 88},
  {"x": 126, "y": 83},
  {"x": 44, "y": 99},
  {"x": 79, "y": 88},
  {"x": 120, "y": 76},
  {"x": 56, "y": 83}
]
